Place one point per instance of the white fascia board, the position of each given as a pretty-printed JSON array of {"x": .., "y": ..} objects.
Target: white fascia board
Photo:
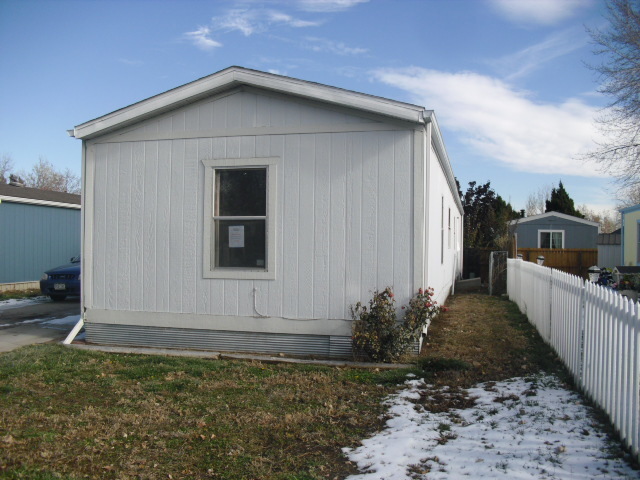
[
  {"x": 33, "y": 201},
  {"x": 235, "y": 76},
  {"x": 632, "y": 208},
  {"x": 564, "y": 216},
  {"x": 443, "y": 157}
]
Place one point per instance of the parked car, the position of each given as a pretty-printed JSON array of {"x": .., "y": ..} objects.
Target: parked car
[{"x": 62, "y": 281}]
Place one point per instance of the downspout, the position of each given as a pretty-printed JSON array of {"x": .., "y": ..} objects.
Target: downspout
[
  {"x": 78, "y": 326},
  {"x": 74, "y": 332}
]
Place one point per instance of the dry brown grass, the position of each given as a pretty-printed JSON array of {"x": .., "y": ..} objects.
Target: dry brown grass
[
  {"x": 488, "y": 335},
  {"x": 66, "y": 413},
  {"x": 91, "y": 415}
]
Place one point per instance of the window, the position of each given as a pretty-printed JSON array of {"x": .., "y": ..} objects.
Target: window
[
  {"x": 442, "y": 230},
  {"x": 550, "y": 238},
  {"x": 449, "y": 225},
  {"x": 239, "y": 218}
]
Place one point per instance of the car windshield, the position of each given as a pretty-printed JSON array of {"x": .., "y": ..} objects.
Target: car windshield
[{"x": 75, "y": 259}]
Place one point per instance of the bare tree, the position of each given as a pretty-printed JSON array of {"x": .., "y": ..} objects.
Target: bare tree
[
  {"x": 609, "y": 221},
  {"x": 619, "y": 153},
  {"x": 628, "y": 196},
  {"x": 44, "y": 176},
  {"x": 6, "y": 166},
  {"x": 536, "y": 201}
]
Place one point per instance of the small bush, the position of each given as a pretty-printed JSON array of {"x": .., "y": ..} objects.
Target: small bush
[{"x": 377, "y": 332}]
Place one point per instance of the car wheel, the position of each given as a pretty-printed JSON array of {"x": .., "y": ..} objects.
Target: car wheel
[{"x": 58, "y": 298}]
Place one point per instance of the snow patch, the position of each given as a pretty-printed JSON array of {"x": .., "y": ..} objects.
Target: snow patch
[{"x": 531, "y": 428}]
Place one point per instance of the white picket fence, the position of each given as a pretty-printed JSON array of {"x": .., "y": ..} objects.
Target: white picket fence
[{"x": 596, "y": 333}]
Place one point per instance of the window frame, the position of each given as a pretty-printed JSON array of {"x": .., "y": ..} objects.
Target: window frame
[
  {"x": 540, "y": 232},
  {"x": 208, "y": 245}
]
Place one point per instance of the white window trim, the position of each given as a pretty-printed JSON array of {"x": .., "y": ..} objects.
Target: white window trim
[
  {"x": 267, "y": 273},
  {"x": 550, "y": 231}
]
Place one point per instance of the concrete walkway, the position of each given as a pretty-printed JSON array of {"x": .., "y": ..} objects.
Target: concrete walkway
[{"x": 23, "y": 335}]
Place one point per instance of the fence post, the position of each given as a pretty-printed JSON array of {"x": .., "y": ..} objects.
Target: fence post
[{"x": 581, "y": 324}]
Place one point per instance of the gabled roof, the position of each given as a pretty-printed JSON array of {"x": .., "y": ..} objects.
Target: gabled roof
[
  {"x": 542, "y": 216},
  {"x": 236, "y": 76},
  {"x": 35, "y": 196}
]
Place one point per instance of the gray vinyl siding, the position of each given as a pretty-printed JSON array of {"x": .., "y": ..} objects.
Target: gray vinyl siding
[
  {"x": 344, "y": 211},
  {"x": 35, "y": 238},
  {"x": 576, "y": 234}
]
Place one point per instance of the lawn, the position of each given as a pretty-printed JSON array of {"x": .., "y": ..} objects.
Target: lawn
[
  {"x": 69, "y": 413},
  {"x": 83, "y": 414}
]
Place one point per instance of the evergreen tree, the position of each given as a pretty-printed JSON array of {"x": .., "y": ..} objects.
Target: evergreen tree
[
  {"x": 486, "y": 217},
  {"x": 561, "y": 202}
]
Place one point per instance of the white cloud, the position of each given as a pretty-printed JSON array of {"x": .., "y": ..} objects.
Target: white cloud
[
  {"x": 132, "y": 63},
  {"x": 245, "y": 21},
  {"x": 201, "y": 39},
  {"x": 328, "y": 5},
  {"x": 279, "y": 17},
  {"x": 502, "y": 123},
  {"x": 325, "y": 45},
  {"x": 542, "y": 12},
  {"x": 250, "y": 21},
  {"x": 521, "y": 63}
]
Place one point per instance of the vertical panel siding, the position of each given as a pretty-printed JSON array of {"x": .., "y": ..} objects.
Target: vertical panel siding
[
  {"x": 124, "y": 227},
  {"x": 203, "y": 297},
  {"x": 99, "y": 225},
  {"x": 175, "y": 226},
  {"x": 35, "y": 238},
  {"x": 343, "y": 215},
  {"x": 137, "y": 248},
  {"x": 337, "y": 227},
  {"x": 290, "y": 220},
  {"x": 149, "y": 214}
]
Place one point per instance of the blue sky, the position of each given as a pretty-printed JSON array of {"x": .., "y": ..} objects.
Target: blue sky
[{"x": 507, "y": 78}]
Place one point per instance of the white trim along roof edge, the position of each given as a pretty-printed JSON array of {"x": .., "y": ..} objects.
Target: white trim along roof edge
[
  {"x": 34, "y": 201},
  {"x": 530, "y": 218},
  {"x": 235, "y": 76},
  {"x": 630, "y": 209},
  {"x": 443, "y": 157}
]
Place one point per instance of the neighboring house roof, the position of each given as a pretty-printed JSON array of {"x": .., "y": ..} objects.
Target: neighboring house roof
[
  {"x": 630, "y": 209},
  {"x": 237, "y": 76},
  {"x": 564, "y": 216},
  {"x": 613, "y": 238},
  {"x": 35, "y": 196}
]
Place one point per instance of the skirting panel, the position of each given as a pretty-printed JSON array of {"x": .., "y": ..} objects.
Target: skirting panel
[{"x": 218, "y": 340}]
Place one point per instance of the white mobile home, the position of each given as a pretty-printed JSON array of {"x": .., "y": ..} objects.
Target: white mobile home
[{"x": 247, "y": 211}]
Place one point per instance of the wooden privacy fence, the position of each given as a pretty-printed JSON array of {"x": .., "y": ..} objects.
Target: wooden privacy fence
[
  {"x": 596, "y": 333},
  {"x": 575, "y": 261}
]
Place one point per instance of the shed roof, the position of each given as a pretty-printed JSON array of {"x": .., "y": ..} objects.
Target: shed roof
[
  {"x": 563, "y": 216},
  {"x": 613, "y": 238},
  {"x": 35, "y": 196},
  {"x": 235, "y": 76}
]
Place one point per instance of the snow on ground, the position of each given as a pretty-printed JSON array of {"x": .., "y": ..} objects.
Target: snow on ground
[
  {"x": 530, "y": 428},
  {"x": 69, "y": 321},
  {"x": 22, "y": 302}
]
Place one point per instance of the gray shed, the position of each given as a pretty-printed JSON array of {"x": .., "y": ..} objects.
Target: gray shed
[
  {"x": 246, "y": 211},
  {"x": 610, "y": 249},
  {"x": 39, "y": 230},
  {"x": 555, "y": 230}
]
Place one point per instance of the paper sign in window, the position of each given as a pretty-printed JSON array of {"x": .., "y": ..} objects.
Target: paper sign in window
[{"x": 236, "y": 236}]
